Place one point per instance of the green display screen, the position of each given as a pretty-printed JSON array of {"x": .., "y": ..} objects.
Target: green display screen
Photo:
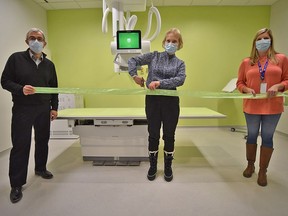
[{"x": 130, "y": 39}]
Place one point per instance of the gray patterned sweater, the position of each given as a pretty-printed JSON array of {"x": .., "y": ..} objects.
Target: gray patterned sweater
[{"x": 167, "y": 69}]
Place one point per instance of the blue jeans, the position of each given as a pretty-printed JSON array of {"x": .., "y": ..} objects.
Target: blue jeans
[{"x": 268, "y": 125}]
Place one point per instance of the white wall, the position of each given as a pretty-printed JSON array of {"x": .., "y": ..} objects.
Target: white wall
[
  {"x": 279, "y": 26},
  {"x": 17, "y": 17}
]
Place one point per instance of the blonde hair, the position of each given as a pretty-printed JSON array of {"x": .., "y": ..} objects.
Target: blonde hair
[
  {"x": 176, "y": 32},
  {"x": 254, "y": 56}
]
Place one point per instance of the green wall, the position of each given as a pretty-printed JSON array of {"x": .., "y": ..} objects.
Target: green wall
[{"x": 216, "y": 39}]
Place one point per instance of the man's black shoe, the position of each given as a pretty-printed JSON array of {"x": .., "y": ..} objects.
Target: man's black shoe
[
  {"x": 16, "y": 194},
  {"x": 44, "y": 174}
]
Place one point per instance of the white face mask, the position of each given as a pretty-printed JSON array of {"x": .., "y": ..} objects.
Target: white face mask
[{"x": 36, "y": 46}]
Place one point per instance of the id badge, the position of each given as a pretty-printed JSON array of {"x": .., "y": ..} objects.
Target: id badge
[{"x": 263, "y": 88}]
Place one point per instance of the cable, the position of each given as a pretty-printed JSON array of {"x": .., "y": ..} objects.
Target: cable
[{"x": 158, "y": 28}]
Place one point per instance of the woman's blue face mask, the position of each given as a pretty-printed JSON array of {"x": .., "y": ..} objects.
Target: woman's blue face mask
[
  {"x": 171, "y": 48},
  {"x": 263, "y": 44}
]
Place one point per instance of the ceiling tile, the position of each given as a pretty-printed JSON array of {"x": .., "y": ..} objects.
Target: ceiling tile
[
  {"x": 138, "y": 5},
  {"x": 234, "y": 2},
  {"x": 177, "y": 3},
  {"x": 206, "y": 2},
  {"x": 130, "y": 5},
  {"x": 59, "y": 1},
  {"x": 261, "y": 2},
  {"x": 155, "y": 3},
  {"x": 53, "y": 1},
  {"x": 62, "y": 5},
  {"x": 98, "y": 1},
  {"x": 46, "y": 6},
  {"x": 89, "y": 4}
]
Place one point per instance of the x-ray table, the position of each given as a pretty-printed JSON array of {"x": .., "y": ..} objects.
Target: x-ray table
[{"x": 118, "y": 136}]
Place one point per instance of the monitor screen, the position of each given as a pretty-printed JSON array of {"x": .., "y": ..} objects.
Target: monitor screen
[{"x": 128, "y": 39}]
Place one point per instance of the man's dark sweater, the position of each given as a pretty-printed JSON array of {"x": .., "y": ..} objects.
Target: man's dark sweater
[{"x": 21, "y": 70}]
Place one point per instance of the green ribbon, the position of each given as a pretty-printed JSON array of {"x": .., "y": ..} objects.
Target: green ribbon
[{"x": 47, "y": 90}]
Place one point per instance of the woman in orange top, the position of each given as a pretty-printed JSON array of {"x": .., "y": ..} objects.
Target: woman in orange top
[{"x": 265, "y": 71}]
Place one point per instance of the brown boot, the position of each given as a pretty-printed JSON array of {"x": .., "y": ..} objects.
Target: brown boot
[
  {"x": 265, "y": 156},
  {"x": 251, "y": 156}
]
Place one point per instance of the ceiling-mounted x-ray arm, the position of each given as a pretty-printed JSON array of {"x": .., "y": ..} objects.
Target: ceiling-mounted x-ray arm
[
  {"x": 116, "y": 7},
  {"x": 106, "y": 11},
  {"x": 130, "y": 22},
  {"x": 119, "y": 22},
  {"x": 153, "y": 10}
]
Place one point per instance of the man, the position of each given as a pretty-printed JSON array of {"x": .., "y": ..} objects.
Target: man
[{"x": 22, "y": 72}]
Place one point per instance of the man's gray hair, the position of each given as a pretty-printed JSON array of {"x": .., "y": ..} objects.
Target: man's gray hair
[{"x": 34, "y": 30}]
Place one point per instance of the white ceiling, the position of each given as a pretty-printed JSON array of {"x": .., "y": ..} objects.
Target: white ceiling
[{"x": 78, "y": 4}]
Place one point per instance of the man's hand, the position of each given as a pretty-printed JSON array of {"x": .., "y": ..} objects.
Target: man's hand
[
  {"x": 28, "y": 90},
  {"x": 53, "y": 114}
]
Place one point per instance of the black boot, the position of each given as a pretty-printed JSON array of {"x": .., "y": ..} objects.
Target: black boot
[
  {"x": 168, "y": 174},
  {"x": 153, "y": 156}
]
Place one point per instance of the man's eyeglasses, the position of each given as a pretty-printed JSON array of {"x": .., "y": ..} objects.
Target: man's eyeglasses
[{"x": 40, "y": 39}]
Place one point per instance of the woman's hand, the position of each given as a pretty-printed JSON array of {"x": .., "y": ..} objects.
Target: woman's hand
[
  {"x": 273, "y": 90},
  {"x": 139, "y": 80},
  {"x": 249, "y": 91},
  {"x": 153, "y": 85}
]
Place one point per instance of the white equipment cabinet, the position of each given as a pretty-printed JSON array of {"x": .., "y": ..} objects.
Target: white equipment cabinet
[
  {"x": 113, "y": 144},
  {"x": 60, "y": 129}
]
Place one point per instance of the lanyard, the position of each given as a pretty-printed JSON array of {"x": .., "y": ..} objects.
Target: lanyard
[{"x": 262, "y": 71}]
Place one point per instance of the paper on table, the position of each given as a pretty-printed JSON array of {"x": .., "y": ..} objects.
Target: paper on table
[{"x": 231, "y": 86}]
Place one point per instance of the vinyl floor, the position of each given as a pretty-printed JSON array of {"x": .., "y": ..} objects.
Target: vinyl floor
[{"x": 207, "y": 181}]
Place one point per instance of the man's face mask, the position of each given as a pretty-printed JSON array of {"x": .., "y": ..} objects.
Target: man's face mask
[{"x": 36, "y": 46}]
